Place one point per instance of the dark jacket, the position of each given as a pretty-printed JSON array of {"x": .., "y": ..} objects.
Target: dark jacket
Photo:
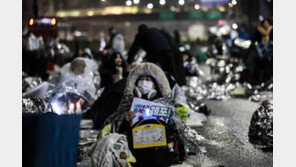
[
  {"x": 179, "y": 71},
  {"x": 152, "y": 42},
  {"x": 107, "y": 103},
  {"x": 108, "y": 69}
]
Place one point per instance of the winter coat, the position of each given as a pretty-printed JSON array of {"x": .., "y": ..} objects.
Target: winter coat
[
  {"x": 107, "y": 103},
  {"x": 110, "y": 99},
  {"x": 143, "y": 69},
  {"x": 117, "y": 119},
  {"x": 180, "y": 72},
  {"x": 152, "y": 42}
]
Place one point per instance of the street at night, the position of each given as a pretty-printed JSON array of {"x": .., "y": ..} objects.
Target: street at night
[{"x": 141, "y": 83}]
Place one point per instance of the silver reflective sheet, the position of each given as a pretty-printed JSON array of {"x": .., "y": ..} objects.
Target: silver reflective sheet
[
  {"x": 261, "y": 126},
  {"x": 66, "y": 99},
  {"x": 189, "y": 139},
  {"x": 86, "y": 138},
  {"x": 259, "y": 96},
  {"x": 35, "y": 105},
  {"x": 30, "y": 82}
]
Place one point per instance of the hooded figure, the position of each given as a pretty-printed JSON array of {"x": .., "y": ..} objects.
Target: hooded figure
[
  {"x": 118, "y": 121},
  {"x": 131, "y": 90},
  {"x": 79, "y": 75}
]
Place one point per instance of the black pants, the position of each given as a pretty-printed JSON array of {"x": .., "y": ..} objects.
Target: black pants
[{"x": 173, "y": 64}]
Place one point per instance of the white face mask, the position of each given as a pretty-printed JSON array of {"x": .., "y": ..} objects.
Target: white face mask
[{"x": 145, "y": 86}]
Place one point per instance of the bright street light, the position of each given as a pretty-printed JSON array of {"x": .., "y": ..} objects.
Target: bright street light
[
  {"x": 128, "y": 3},
  {"x": 181, "y": 2},
  {"x": 196, "y": 6},
  {"x": 149, "y": 5}
]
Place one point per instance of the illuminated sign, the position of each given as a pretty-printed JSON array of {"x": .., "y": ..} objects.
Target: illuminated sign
[{"x": 214, "y": 2}]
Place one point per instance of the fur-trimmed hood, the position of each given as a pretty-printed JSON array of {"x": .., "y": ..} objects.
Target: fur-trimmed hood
[
  {"x": 151, "y": 70},
  {"x": 128, "y": 96}
]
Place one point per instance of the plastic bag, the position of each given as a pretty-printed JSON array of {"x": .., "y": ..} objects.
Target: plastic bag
[{"x": 82, "y": 83}]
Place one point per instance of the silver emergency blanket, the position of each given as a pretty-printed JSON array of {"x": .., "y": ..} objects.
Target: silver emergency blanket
[
  {"x": 116, "y": 119},
  {"x": 72, "y": 93},
  {"x": 30, "y": 82},
  {"x": 195, "y": 88},
  {"x": 39, "y": 91},
  {"x": 218, "y": 92},
  {"x": 259, "y": 96},
  {"x": 196, "y": 93},
  {"x": 240, "y": 89},
  {"x": 186, "y": 133},
  {"x": 194, "y": 69},
  {"x": 225, "y": 73},
  {"x": 223, "y": 69},
  {"x": 178, "y": 95},
  {"x": 226, "y": 91},
  {"x": 189, "y": 136},
  {"x": 263, "y": 91},
  {"x": 34, "y": 105},
  {"x": 213, "y": 91},
  {"x": 111, "y": 151},
  {"x": 261, "y": 126},
  {"x": 66, "y": 99},
  {"x": 86, "y": 139}
]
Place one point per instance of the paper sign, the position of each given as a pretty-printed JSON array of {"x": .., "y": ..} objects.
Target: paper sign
[
  {"x": 145, "y": 110},
  {"x": 149, "y": 135}
]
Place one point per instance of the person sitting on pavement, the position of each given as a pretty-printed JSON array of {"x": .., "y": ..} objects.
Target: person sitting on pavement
[
  {"x": 78, "y": 74},
  {"x": 145, "y": 81},
  {"x": 110, "y": 99},
  {"x": 148, "y": 81},
  {"x": 114, "y": 70}
]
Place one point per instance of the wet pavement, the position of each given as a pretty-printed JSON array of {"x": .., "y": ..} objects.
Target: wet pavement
[{"x": 226, "y": 136}]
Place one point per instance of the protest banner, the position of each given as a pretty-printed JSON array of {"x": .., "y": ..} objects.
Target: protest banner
[{"x": 145, "y": 109}]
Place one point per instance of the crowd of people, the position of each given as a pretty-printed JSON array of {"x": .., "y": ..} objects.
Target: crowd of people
[{"x": 109, "y": 83}]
